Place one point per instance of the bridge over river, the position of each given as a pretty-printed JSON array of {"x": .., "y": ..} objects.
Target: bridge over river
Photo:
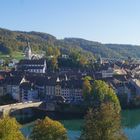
[{"x": 6, "y": 109}]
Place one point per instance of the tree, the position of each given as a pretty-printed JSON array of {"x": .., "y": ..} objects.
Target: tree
[
  {"x": 9, "y": 129},
  {"x": 80, "y": 58},
  {"x": 57, "y": 52},
  {"x": 54, "y": 63},
  {"x": 103, "y": 123},
  {"x": 86, "y": 88},
  {"x": 88, "y": 78},
  {"x": 83, "y": 61},
  {"x": 49, "y": 51},
  {"x": 102, "y": 93},
  {"x": 48, "y": 129},
  {"x": 74, "y": 54},
  {"x": 99, "y": 92},
  {"x": 53, "y": 51}
]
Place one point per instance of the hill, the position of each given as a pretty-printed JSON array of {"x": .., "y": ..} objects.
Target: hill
[{"x": 16, "y": 41}]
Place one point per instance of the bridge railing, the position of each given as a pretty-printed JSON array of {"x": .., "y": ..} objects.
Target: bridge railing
[{"x": 16, "y": 104}]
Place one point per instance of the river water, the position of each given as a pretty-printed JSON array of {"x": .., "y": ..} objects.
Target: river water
[{"x": 74, "y": 122}]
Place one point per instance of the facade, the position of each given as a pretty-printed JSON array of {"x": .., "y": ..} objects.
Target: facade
[
  {"x": 33, "y": 66},
  {"x": 50, "y": 90},
  {"x": 29, "y": 95},
  {"x": 41, "y": 90},
  {"x": 15, "y": 92},
  {"x": 35, "y": 87},
  {"x": 2, "y": 90},
  {"x": 58, "y": 89},
  {"x": 72, "y": 95},
  {"x": 27, "y": 92},
  {"x": 107, "y": 73},
  {"x": 12, "y": 85},
  {"x": 65, "y": 92},
  {"x": 136, "y": 84},
  {"x": 72, "y": 90}
]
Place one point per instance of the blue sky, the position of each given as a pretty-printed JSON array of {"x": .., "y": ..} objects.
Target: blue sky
[{"x": 107, "y": 21}]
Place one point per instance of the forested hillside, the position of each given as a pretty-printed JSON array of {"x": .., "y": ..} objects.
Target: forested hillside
[{"x": 11, "y": 41}]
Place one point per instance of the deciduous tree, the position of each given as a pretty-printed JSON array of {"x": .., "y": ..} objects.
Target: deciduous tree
[
  {"x": 101, "y": 93},
  {"x": 86, "y": 88},
  {"x": 9, "y": 129},
  {"x": 103, "y": 123},
  {"x": 54, "y": 63},
  {"x": 48, "y": 129}
]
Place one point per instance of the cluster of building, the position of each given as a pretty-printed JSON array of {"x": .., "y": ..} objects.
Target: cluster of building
[
  {"x": 36, "y": 87},
  {"x": 122, "y": 75},
  {"x": 30, "y": 81}
]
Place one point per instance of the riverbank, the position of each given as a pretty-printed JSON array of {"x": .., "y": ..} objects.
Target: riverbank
[{"x": 74, "y": 122}]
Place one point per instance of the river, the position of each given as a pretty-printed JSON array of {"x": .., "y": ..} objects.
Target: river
[{"x": 74, "y": 122}]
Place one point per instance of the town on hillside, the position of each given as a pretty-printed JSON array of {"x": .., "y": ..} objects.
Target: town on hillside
[{"x": 33, "y": 79}]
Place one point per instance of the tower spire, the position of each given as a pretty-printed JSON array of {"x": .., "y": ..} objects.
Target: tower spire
[{"x": 28, "y": 52}]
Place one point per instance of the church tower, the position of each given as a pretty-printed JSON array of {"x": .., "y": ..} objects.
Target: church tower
[
  {"x": 28, "y": 52},
  {"x": 100, "y": 61}
]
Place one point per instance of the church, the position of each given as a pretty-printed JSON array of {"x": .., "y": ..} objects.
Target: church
[{"x": 32, "y": 63}]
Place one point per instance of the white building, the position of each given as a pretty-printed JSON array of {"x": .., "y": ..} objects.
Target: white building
[
  {"x": 107, "y": 73},
  {"x": 33, "y": 66}
]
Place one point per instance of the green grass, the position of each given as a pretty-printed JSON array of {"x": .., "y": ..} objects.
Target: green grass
[
  {"x": 18, "y": 55},
  {"x": 15, "y": 55}
]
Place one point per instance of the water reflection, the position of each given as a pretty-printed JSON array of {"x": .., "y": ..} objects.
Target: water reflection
[
  {"x": 131, "y": 118},
  {"x": 31, "y": 114},
  {"x": 74, "y": 122}
]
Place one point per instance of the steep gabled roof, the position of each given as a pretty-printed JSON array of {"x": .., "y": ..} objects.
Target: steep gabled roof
[{"x": 31, "y": 62}]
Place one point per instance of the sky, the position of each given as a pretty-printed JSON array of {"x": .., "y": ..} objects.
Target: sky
[{"x": 106, "y": 21}]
